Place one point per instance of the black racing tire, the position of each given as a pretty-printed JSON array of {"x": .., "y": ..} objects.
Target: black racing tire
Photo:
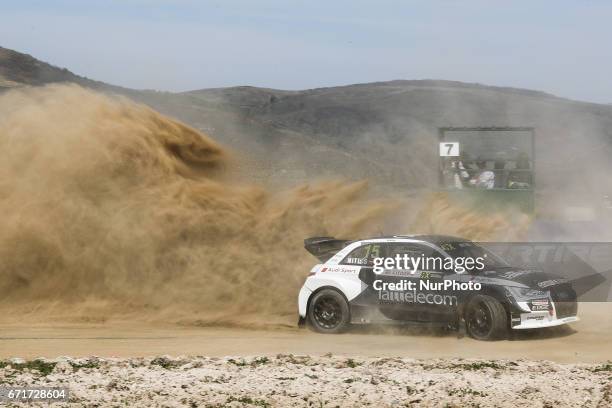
[
  {"x": 486, "y": 318},
  {"x": 328, "y": 312}
]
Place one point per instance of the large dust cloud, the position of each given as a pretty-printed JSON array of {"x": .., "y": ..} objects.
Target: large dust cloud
[{"x": 113, "y": 211}]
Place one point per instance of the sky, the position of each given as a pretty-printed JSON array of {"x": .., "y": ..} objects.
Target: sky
[{"x": 558, "y": 46}]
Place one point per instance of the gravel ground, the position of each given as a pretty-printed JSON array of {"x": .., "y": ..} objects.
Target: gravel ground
[{"x": 324, "y": 381}]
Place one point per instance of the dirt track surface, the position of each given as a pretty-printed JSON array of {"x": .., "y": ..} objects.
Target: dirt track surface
[
  {"x": 328, "y": 381},
  {"x": 566, "y": 366},
  {"x": 586, "y": 341}
]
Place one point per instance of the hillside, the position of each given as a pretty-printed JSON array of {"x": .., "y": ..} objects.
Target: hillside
[
  {"x": 385, "y": 131},
  {"x": 388, "y": 131},
  {"x": 17, "y": 69}
]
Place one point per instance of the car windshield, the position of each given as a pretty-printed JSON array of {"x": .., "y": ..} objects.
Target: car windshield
[{"x": 467, "y": 249}]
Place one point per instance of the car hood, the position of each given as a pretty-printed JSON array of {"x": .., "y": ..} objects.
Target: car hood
[{"x": 532, "y": 278}]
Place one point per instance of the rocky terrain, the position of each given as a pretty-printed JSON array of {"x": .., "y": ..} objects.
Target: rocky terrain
[{"x": 325, "y": 381}]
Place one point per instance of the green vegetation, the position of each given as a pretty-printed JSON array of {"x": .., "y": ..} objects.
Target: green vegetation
[
  {"x": 479, "y": 365},
  {"x": 248, "y": 400},
  {"x": 290, "y": 358},
  {"x": 254, "y": 363},
  {"x": 603, "y": 367},
  {"x": 166, "y": 363},
  {"x": 87, "y": 364},
  {"x": 352, "y": 363},
  {"x": 43, "y": 367},
  {"x": 466, "y": 391}
]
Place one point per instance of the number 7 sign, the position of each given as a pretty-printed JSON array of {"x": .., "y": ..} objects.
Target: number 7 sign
[{"x": 449, "y": 149}]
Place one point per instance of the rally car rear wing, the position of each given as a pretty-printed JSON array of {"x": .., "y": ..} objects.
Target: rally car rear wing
[{"x": 324, "y": 247}]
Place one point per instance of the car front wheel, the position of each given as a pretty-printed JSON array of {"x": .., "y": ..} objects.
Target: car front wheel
[
  {"x": 328, "y": 312},
  {"x": 486, "y": 319}
]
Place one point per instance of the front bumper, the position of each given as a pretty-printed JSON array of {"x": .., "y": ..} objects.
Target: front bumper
[
  {"x": 561, "y": 313},
  {"x": 562, "y": 309},
  {"x": 537, "y": 320}
]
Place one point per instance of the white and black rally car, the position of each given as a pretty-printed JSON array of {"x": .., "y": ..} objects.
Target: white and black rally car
[{"x": 344, "y": 289}]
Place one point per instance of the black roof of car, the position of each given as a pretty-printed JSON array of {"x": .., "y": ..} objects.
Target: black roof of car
[
  {"x": 435, "y": 239},
  {"x": 431, "y": 238}
]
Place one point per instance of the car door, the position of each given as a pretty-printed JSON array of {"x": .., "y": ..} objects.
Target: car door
[
  {"x": 363, "y": 258},
  {"x": 427, "y": 301}
]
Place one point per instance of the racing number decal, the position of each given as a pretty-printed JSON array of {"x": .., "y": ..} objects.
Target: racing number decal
[
  {"x": 373, "y": 252},
  {"x": 449, "y": 149},
  {"x": 363, "y": 255}
]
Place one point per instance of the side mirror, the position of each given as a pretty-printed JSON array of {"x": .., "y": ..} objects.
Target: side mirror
[{"x": 367, "y": 275}]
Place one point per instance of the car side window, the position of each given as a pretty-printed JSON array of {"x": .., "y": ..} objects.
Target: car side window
[
  {"x": 412, "y": 250},
  {"x": 364, "y": 255},
  {"x": 431, "y": 260}
]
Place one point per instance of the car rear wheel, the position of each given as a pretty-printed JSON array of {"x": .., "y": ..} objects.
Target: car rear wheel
[
  {"x": 486, "y": 319},
  {"x": 328, "y": 312}
]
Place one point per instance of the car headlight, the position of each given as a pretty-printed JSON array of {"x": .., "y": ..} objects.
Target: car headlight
[{"x": 527, "y": 293}]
